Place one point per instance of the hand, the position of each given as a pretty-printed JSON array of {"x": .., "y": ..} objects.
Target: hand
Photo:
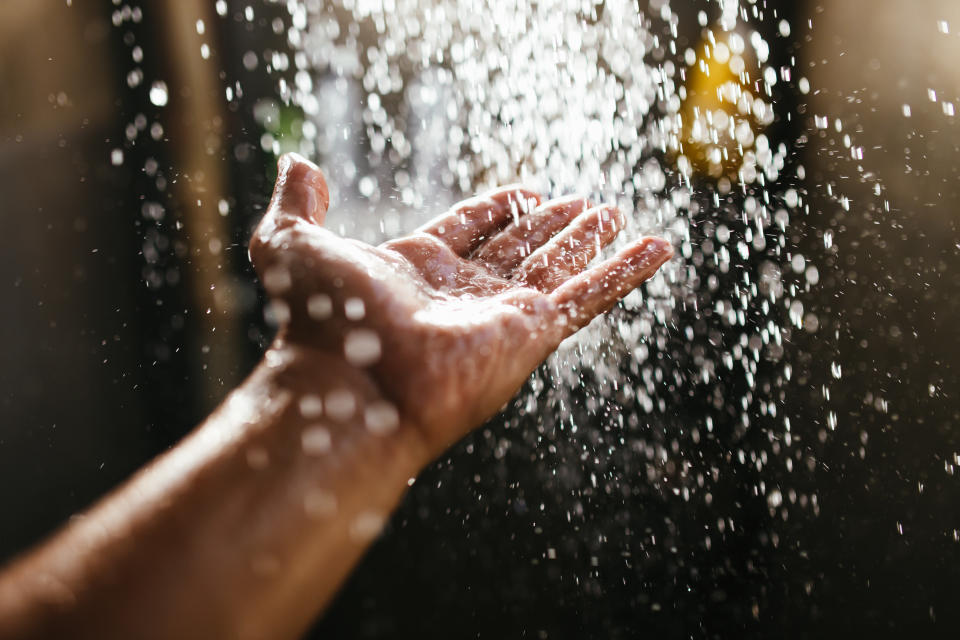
[
  {"x": 385, "y": 356},
  {"x": 447, "y": 322}
]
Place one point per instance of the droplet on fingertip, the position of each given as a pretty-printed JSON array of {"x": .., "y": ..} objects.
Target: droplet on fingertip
[
  {"x": 277, "y": 280},
  {"x": 276, "y": 358},
  {"x": 311, "y": 406},
  {"x": 316, "y": 440},
  {"x": 354, "y": 309},
  {"x": 319, "y": 306},
  {"x": 381, "y": 418},
  {"x": 361, "y": 347},
  {"x": 341, "y": 405},
  {"x": 276, "y": 313}
]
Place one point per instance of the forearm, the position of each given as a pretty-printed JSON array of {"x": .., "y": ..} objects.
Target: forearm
[{"x": 246, "y": 529}]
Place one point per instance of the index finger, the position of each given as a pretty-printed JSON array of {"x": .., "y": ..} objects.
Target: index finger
[
  {"x": 468, "y": 223},
  {"x": 596, "y": 290}
]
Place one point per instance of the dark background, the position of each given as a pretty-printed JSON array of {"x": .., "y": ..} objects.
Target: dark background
[{"x": 116, "y": 345}]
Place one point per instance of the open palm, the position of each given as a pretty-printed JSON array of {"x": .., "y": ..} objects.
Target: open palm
[{"x": 449, "y": 320}]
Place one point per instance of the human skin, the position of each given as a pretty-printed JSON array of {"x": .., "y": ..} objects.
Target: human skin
[{"x": 386, "y": 355}]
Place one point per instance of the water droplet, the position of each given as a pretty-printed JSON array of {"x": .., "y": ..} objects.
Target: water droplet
[
  {"x": 276, "y": 313},
  {"x": 774, "y": 499},
  {"x": 340, "y": 405},
  {"x": 798, "y": 263},
  {"x": 361, "y": 347},
  {"x": 381, "y": 417},
  {"x": 158, "y": 93},
  {"x": 354, "y": 309},
  {"x": 311, "y": 406},
  {"x": 277, "y": 280},
  {"x": 316, "y": 440},
  {"x": 319, "y": 306}
]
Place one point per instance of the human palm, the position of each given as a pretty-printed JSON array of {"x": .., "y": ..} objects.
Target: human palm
[{"x": 447, "y": 321}]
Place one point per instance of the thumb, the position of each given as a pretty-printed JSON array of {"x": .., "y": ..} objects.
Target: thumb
[
  {"x": 301, "y": 190},
  {"x": 300, "y": 195}
]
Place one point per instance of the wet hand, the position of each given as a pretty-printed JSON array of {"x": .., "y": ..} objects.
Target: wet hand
[{"x": 448, "y": 321}]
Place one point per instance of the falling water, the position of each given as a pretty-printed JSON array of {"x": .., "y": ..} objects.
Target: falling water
[
  {"x": 673, "y": 448},
  {"x": 678, "y": 402}
]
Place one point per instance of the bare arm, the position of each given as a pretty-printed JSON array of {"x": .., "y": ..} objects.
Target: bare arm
[
  {"x": 242, "y": 530},
  {"x": 388, "y": 355}
]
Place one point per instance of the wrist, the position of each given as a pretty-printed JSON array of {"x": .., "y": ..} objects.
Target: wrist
[{"x": 346, "y": 400}]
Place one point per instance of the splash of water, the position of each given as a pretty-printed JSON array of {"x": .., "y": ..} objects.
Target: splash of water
[{"x": 571, "y": 96}]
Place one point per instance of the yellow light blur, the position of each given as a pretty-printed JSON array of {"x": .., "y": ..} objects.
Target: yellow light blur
[{"x": 721, "y": 115}]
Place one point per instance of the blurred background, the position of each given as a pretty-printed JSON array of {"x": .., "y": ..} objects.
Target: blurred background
[{"x": 137, "y": 150}]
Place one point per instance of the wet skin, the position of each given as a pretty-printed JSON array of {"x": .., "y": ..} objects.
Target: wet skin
[
  {"x": 462, "y": 310},
  {"x": 385, "y": 355}
]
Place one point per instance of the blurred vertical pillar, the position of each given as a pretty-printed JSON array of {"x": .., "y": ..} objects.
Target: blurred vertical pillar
[
  {"x": 73, "y": 417},
  {"x": 196, "y": 111}
]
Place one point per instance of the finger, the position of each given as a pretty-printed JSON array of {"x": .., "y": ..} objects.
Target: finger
[
  {"x": 506, "y": 250},
  {"x": 596, "y": 290},
  {"x": 571, "y": 250},
  {"x": 472, "y": 221},
  {"x": 300, "y": 195},
  {"x": 301, "y": 190}
]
